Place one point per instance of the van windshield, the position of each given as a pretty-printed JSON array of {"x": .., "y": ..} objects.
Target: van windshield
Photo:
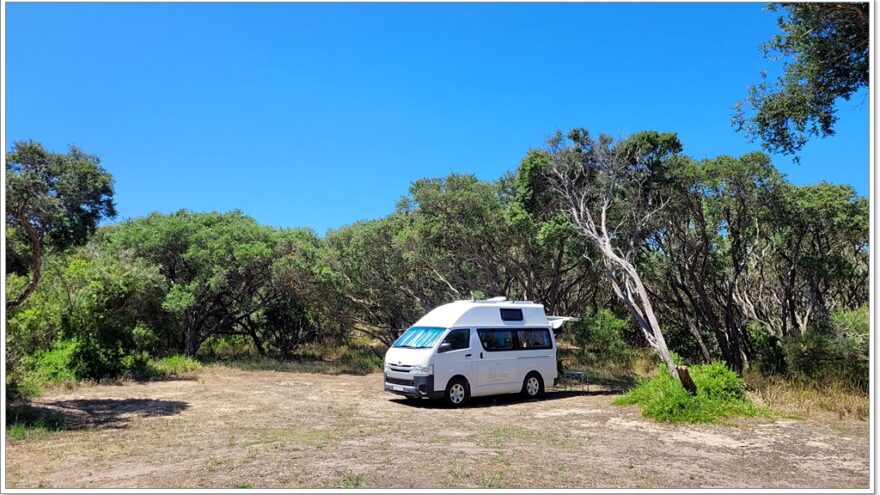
[{"x": 419, "y": 337}]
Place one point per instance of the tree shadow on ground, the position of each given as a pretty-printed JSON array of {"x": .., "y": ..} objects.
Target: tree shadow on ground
[
  {"x": 75, "y": 414},
  {"x": 508, "y": 399}
]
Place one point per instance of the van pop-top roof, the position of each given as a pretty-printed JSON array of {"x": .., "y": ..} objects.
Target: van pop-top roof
[{"x": 495, "y": 312}]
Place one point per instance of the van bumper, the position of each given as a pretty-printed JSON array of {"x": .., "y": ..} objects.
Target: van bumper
[{"x": 421, "y": 386}]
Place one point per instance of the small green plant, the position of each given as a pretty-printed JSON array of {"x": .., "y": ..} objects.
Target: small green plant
[
  {"x": 176, "y": 365},
  {"x": 352, "y": 480},
  {"x": 496, "y": 481},
  {"x": 22, "y": 386},
  {"x": 25, "y": 422},
  {"x": 720, "y": 394},
  {"x": 243, "y": 485},
  {"x": 55, "y": 366}
]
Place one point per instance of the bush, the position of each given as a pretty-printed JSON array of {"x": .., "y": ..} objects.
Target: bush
[
  {"x": 836, "y": 353},
  {"x": 769, "y": 355},
  {"x": 600, "y": 336},
  {"x": 21, "y": 386},
  {"x": 359, "y": 360},
  {"x": 219, "y": 347},
  {"x": 720, "y": 394},
  {"x": 816, "y": 358},
  {"x": 64, "y": 365},
  {"x": 176, "y": 365},
  {"x": 56, "y": 366}
]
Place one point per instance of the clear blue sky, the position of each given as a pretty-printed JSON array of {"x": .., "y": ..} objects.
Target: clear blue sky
[{"x": 321, "y": 115}]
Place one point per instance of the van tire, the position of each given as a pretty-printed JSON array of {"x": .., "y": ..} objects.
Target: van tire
[
  {"x": 457, "y": 392},
  {"x": 533, "y": 385}
]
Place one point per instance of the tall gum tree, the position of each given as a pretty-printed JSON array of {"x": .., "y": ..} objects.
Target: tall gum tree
[{"x": 612, "y": 191}]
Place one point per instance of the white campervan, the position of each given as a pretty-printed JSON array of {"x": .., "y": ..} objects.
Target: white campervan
[{"x": 473, "y": 348}]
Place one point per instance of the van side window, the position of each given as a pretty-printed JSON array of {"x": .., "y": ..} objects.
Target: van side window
[
  {"x": 533, "y": 338},
  {"x": 496, "y": 339},
  {"x": 459, "y": 338}
]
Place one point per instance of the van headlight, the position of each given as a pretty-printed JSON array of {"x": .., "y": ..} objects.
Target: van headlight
[
  {"x": 423, "y": 370},
  {"x": 387, "y": 368}
]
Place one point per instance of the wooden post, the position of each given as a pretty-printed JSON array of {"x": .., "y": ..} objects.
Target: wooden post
[{"x": 685, "y": 376}]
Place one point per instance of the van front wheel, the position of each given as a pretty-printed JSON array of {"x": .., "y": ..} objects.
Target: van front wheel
[
  {"x": 533, "y": 386},
  {"x": 456, "y": 392}
]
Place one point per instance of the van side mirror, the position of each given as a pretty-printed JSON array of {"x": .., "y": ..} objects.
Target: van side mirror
[{"x": 445, "y": 346}]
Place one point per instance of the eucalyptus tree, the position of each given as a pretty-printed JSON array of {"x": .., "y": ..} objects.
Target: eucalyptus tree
[
  {"x": 54, "y": 201},
  {"x": 552, "y": 267},
  {"x": 707, "y": 237},
  {"x": 378, "y": 288},
  {"x": 218, "y": 268},
  {"x": 613, "y": 192},
  {"x": 825, "y": 49},
  {"x": 811, "y": 259},
  {"x": 456, "y": 232}
]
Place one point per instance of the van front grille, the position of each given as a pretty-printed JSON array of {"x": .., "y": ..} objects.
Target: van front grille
[
  {"x": 399, "y": 381},
  {"x": 400, "y": 368}
]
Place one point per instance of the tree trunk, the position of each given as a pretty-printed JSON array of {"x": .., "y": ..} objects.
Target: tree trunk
[
  {"x": 685, "y": 377},
  {"x": 37, "y": 255},
  {"x": 253, "y": 334},
  {"x": 192, "y": 343},
  {"x": 642, "y": 310}
]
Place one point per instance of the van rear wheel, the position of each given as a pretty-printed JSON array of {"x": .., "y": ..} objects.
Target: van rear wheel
[
  {"x": 533, "y": 386},
  {"x": 456, "y": 392}
]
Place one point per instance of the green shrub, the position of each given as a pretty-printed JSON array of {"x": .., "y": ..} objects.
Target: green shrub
[
  {"x": 219, "y": 347},
  {"x": 834, "y": 352},
  {"x": 56, "y": 366},
  {"x": 22, "y": 386},
  {"x": 23, "y": 421},
  {"x": 720, "y": 394},
  {"x": 600, "y": 336},
  {"x": 851, "y": 323},
  {"x": 817, "y": 358},
  {"x": 769, "y": 355},
  {"x": 66, "y": 364},
  {"x": 359, "y": 360},
  {"x": 176, "y": 365}
]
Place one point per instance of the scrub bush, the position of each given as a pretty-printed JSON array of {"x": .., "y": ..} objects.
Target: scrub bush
[
  {"x": 720, "y": 394},
  {"x": 600, "y": 336},
  {"x": 821, "y": 359},
  {"x": 359, "y": 360},
  {"x": 768, "y": 351},
  {"x": 55, "y": 366},
  {"x": 175, "y": 365}
]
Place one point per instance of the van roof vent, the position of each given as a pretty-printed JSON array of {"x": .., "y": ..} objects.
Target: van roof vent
[{"x": 509, "y": 314}]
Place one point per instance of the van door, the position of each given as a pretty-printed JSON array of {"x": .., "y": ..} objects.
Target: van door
[
  {"x": 497, "y": 371},
  {"x": 456, "y": 358},
  {"x": 536, "y": 353}
]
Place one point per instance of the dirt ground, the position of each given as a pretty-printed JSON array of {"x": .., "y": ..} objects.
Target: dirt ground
[{"x": 229, "y": 428}]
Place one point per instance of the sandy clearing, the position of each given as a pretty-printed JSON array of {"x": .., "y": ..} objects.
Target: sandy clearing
[{"x": 265, "y": 429}]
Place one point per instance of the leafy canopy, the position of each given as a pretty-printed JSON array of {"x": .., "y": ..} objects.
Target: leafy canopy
[{"x": 825, "y": 51}]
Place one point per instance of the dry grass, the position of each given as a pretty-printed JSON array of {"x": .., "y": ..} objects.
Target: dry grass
[
  {"x": 802, "y": 400},
  {"x": 293, "y": 429},
  {"x": 634, "y": 365}
]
